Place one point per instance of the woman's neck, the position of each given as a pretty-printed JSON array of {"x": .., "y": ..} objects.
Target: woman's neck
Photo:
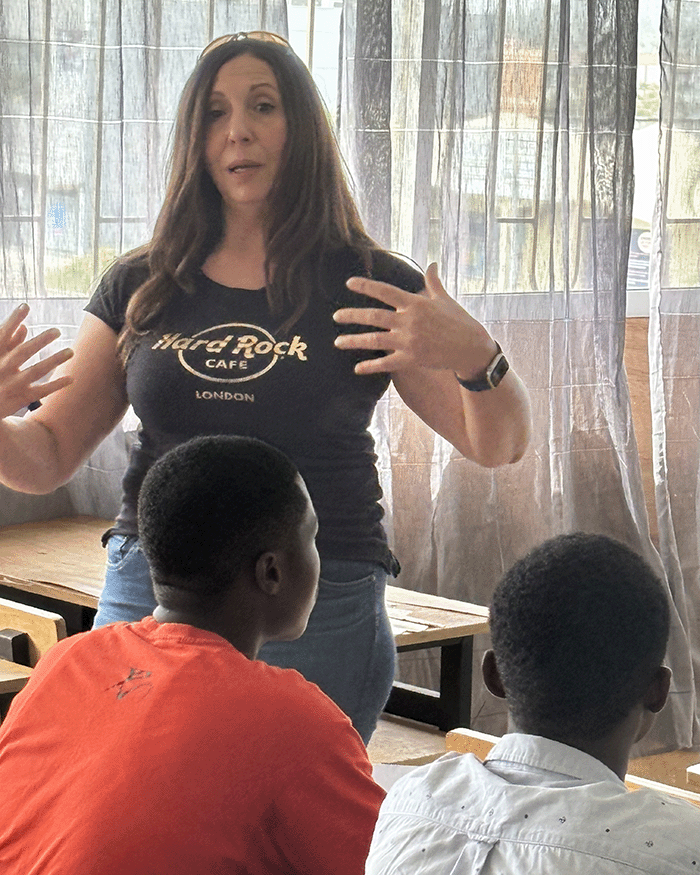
[{"x": 239, "y": 259}]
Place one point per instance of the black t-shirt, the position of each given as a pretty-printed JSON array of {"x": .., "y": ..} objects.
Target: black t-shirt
[{"x": 217, "y": 364}]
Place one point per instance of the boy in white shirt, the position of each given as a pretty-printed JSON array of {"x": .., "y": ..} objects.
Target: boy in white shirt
[{"x": 579, "y": 630}]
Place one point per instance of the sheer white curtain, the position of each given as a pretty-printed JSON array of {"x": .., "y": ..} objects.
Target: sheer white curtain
[
  {"x": 495, "y": 138},
  {"x": 88, "y": 93},
  {"x": 674, "y": 335}
]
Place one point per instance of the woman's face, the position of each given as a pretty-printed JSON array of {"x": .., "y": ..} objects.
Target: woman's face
[{"x": 245, "y": 135}]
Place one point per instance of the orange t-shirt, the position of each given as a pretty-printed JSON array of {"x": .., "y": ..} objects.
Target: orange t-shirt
[{"x": 159, "y": 748}]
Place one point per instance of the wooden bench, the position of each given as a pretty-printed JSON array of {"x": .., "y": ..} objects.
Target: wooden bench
[
  {"x": 63, "y": 560},
  {"x": 464, "y": 740},
  {"x": 27, "y": 633}
]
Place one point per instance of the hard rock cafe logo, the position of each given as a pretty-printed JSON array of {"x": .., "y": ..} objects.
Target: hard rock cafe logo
[{"x": 232, "y": 353}]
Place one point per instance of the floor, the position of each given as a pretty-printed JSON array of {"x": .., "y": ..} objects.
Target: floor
[
  {"x": 403, "y": 741},
  {"x": 397, "y": 740}
]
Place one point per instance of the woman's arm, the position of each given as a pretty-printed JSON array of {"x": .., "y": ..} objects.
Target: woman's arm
[
  {"x": 491, "y": 428},
  {"x": 429, "y": 340},
  {"x": 81, "y": 404}
]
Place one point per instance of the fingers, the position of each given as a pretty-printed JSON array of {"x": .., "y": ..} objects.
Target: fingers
[
  {"x": 433, "y": 282},
  {"x": 36, "y": 372},
  {"x": 51, "y": 386},
  {"x": 392, "y": 295},
  {"x": 365, "y": 316},
  {"x": 20, "y": 386},
  {"x": 13, "y": 334},
  {"x": 410, "y": 332},
  {"x": 383, "y": 292},
  {"x": 12, "y": 323},
  {"x": 22, "y": 353},
  {"x": 382, "y": 365},
  {"x": 19, "y": 389},
  {"x": 379, "y": 340},
  {"x": 18, "y": 337}
]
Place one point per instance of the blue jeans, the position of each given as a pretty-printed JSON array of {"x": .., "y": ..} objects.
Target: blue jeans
[
  {"x": 348, "y": 647},
  {"x": 128, "y": 592}
]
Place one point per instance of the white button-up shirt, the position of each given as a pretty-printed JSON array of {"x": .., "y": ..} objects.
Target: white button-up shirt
[{"x": 533, "y": 807}]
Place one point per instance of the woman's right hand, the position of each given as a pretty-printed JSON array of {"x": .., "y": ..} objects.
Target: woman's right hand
[{"x": 20, "y": 386}]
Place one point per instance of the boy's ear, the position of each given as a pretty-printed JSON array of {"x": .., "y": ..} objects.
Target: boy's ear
[
  {"x": 492, "y": 678},
  {"x": 657, "y": 691},
  {"x": 268, "y": 576}
]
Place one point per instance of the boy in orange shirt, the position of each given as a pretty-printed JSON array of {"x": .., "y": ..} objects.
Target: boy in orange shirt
[{"x": 163, "y": 745}]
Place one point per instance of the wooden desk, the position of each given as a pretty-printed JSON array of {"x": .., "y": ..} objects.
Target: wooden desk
[
  {"x": 64, "y": 560},
  {"x": 419, "y": 621}
]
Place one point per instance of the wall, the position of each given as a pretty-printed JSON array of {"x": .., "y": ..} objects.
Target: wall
[{"x": 637, "y": 365}]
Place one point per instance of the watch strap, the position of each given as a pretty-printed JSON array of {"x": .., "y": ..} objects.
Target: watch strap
[{"x": 492, "y": 376}]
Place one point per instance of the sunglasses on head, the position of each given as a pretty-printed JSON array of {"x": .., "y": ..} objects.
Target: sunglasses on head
[{"x": 265, "y": 36}]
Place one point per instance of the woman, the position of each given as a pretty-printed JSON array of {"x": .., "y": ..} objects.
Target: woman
[{"x": 232, "y": 320}]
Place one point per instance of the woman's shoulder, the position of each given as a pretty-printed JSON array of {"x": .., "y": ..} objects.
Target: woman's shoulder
[
  {"x": 115, "y": 287},
  {"x": 396, "y": 269},
  {"x": 377, "y": 264},
  {"x": 125, "y": 273}
]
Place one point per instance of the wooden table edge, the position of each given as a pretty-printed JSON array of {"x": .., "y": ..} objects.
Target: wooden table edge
[
  {"x": 13, "y": 677},
  {"x": 51, "y": 590}
]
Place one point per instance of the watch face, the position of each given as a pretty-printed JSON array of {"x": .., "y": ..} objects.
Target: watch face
[{"x": 497, "y": 371}]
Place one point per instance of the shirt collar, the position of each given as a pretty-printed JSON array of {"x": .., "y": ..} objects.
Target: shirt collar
[
  {"x": 552, "y": 756},
  {"x": 183, "y": 633}
]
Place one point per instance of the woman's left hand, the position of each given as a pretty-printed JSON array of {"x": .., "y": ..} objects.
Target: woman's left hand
[
  {"x": 428, "y": 329},
  {"x": 428, "y": 339}
]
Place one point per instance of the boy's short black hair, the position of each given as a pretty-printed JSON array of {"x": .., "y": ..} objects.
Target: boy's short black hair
[
  {"x": 210, "y": 505},
  {"x": 579, "y": 626}
]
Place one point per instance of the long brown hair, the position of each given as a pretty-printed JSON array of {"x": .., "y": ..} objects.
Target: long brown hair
[{"x": 312, "y": 211}]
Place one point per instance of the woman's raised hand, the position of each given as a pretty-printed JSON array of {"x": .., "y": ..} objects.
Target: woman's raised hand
[
  {"x": 20, "y": 386},
  {"x": 428, "y": 329}
]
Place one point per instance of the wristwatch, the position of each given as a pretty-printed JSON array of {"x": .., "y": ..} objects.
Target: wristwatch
[{"x": 492, "y": 376}]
